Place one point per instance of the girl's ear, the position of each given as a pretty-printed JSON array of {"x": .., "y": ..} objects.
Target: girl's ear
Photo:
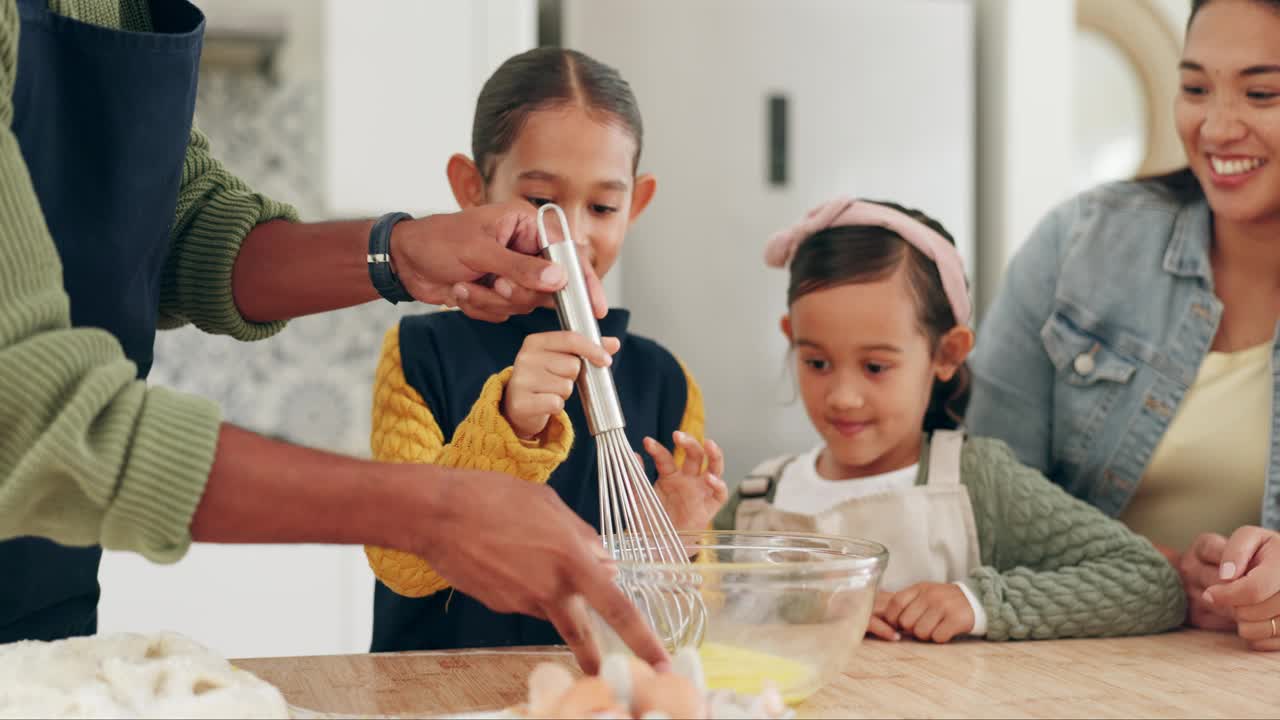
[
  {"x": 646, "y": 186},
  {"x": 953, "y": 348},
  {"x": 466, "y": 181},
  {"x": 785, "y": 324}
]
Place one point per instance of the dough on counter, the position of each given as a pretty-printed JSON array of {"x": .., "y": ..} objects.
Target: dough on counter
[{"x": 129, "y": 676}]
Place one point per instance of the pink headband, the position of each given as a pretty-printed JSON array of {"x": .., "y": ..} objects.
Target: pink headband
[{"x": 846, "y": 211}]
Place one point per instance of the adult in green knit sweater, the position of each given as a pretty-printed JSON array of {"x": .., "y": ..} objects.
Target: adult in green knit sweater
[
  {"x": 979, "y": 544},
  {"x": 116, "y": 220}
]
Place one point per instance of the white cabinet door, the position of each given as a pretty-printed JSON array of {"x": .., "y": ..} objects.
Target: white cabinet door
[{"x": 879, "y": 103}]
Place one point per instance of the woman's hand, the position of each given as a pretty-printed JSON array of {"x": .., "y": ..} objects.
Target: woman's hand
[
  {"x": 690, "y": 494},
  {"x": 1199, "y": 567},
  {"x": 1249, "y": 585},
  {"x": 543, "y": 377},
  {"x": 934, "y": 612}
]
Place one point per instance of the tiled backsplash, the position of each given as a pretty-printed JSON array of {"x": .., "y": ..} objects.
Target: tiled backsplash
[{"x": 312, "y": 383}]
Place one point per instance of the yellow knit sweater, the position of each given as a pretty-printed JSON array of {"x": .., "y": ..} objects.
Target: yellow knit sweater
[{"x": 404, "y": 430}]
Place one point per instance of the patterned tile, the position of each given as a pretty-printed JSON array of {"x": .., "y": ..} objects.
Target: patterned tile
[{"x": 312, "y": 383}]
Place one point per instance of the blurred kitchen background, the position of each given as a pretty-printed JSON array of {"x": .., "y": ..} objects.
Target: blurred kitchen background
[{"x": 984, "y": 113}]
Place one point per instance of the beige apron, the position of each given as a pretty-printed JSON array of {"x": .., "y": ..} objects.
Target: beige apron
[{"x": 928, "y": 529}]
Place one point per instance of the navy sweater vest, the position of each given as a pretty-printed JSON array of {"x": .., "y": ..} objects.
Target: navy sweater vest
[{"x": 447, "y": 357}]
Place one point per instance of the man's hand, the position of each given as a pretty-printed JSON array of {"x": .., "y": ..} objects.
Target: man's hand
[
  {"x": 515, "y": 547},
  {"x": 483, "y": 260},
  {"x": 512, "y": 545}
]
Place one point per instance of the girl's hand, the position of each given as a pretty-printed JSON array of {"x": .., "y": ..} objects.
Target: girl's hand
[
  {"x": 1199, "y": 569},
  {"x": 690, "y": 495},
  {"x": 1249, "y": 586},
  {"x": 878, "y": 626},
  {"x": 543, "y": 377},
  {"x": 931, "y": 611}
]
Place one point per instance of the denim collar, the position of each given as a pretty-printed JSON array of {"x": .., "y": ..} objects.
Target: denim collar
[{"x": 1188, "y": 253}]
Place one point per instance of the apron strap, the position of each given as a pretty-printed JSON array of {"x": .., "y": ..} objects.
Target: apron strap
[
  {"x": 762, "y": 482},
  {"x": 944, "y": 457}
]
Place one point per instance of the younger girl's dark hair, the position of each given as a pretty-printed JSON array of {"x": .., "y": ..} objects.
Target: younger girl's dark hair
[
  {"x": 542, "y": 78},
  {"x": 864, "y": 253}
]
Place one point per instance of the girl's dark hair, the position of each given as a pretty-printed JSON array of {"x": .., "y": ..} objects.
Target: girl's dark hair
[
  {"x": 1181, "y": 184},
  {"x": 541, "y": 78},
  {"x": 865, "y": 253}
]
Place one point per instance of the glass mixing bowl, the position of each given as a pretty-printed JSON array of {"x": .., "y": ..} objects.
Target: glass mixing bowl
[{"x": 761, "y": 607}]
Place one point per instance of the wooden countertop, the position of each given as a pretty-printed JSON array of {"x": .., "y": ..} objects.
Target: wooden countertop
[{"x": 1182, "y": 674}]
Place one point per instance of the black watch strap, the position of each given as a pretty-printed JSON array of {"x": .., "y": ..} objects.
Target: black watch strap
[{"x": 380, "y": 272}]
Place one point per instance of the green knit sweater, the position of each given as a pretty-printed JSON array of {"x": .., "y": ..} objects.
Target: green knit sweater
[
  {"x": 88, "y": 454},
  {"x": 1053, "y": 566}
]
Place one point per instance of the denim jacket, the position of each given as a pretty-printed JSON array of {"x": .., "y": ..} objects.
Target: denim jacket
[{"x": 1101, "y": 325}]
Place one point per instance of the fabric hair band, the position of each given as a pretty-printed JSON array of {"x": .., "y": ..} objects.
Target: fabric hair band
[{"x": 846, "y": 211}]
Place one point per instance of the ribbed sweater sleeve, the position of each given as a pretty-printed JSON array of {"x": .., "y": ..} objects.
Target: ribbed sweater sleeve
[{"x": 1055, "y": 566}]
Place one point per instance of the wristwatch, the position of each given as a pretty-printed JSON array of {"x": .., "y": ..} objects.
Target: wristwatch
[{"x": 383, "y": 276}]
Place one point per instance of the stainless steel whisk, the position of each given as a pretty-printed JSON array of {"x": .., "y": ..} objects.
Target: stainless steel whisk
[{"x": 635, "y": 526}]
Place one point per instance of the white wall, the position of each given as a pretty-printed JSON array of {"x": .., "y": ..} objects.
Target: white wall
[
  {"x": 1025, "y": 160},
  {"x": 881, "y": 105},
  {"x": 1177, "y": 11},
  {"x": 390, "y": 133},
  {"x": 399, "y": 79},
  {"x": 1026, "y": 146}
]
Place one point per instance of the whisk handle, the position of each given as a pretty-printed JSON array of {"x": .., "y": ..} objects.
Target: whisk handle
[{"x": 573, "y": 306}]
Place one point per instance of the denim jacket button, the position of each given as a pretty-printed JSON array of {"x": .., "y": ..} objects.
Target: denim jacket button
[{"x": 1083, "y": 364}]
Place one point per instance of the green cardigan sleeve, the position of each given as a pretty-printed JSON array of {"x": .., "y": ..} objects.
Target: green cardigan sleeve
[
  {"x": 1055, "y": 566},
  {"x": 216, "y": 211},
  {"x": 88, "y": 454}
]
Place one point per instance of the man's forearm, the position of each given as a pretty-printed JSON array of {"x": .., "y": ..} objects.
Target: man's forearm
[
  {"x": 266, "y": 491},
  {"x": 287, "y": 270}
]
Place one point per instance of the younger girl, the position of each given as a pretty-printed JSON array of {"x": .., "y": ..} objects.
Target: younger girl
[
  {"x": 551, "y": 125},
  {"x": 978, "y": 544}
]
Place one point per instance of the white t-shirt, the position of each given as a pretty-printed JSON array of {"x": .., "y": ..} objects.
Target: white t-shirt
[{"x": 802, "y": 490}]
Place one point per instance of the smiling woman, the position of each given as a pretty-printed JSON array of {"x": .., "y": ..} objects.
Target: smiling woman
[{"x": 1132, "y": 353}]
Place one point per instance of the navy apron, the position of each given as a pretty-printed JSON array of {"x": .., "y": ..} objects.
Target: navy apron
[{"x": 103, "y": 118}]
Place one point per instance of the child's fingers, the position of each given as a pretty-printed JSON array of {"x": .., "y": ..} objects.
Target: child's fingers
[
  {"x": 898, "y": 603},
  {"x": 551, "y": 380},
  {"x": 881, "y": 629},
  {"x": 911, "y": 615},
  {"x": 542, "y": 404},
  {"x": 570, "y": 343},
  {"x": 928, "y": 622},
  {"x": 562, "y": 365},
  {"x": 717, "y": 489},
  {"x": 949, "y": 628},
  {"x": 662, "y": 459},
  {"x": 715, "y": 458},
  {"x": 693, "y": 455}
]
